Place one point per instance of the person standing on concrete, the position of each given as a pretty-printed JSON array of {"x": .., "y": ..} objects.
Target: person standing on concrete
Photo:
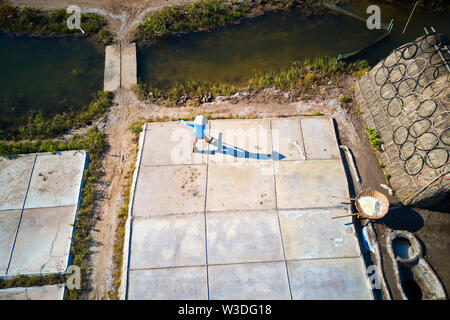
[{"x": 199, "y": 126}]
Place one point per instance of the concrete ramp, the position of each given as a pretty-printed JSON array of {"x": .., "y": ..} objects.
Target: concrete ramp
[{"x": 112, "y": 68}]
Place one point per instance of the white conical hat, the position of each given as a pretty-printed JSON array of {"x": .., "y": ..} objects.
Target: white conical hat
[{"x": 201, "y": 120}]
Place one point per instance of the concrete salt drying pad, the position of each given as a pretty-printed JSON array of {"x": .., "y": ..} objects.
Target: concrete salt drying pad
[
  {"x": 39, "y": 196},
  {"x": 248, "y": 217}
]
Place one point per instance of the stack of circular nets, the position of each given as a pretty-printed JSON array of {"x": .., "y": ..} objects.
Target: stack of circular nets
[{"x": 413, "y": 84}]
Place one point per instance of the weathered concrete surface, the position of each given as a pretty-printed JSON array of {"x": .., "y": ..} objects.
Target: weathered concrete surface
[
  {"x": 129, "y": 66},
  {"x": 320, "y": 138},
  {"x": 252, "y": 174},
  {"x": 56, "y": 180},
  {"x": 243, "y": 237},
  {"x": 253, "y": 281},
  {"x": 9, "y": 221},
  {"x": 328, "y": 279},
  {"x": 43, "y": 241},
  {"x": 241, "y": 141},
  {"x": 170, "y": 283},
  {"x": 55, "y": 292},
  {"x": 169, "y": 241},
  {"x": 240, "y": 186},
  {"x": 312, "y": 234},
  {"x": 14, "y": 177},
  {"x": 170, "y": 144},
  {"x": 170, "y": 189},
  {"x": 287, "y": 139},
  {"x": 310, "y": 184},
  {"x": 112, "y": 68}
]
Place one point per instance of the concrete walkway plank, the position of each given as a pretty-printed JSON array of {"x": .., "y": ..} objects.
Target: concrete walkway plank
[{"x": 112, "y": 68}]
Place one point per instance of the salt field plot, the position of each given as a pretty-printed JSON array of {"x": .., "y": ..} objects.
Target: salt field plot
[
  {"x": 39, "y": 196},
  {"x": 243, "y": 217}
]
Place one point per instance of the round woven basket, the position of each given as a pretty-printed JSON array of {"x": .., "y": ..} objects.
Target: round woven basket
[{"x": 381, "y": 198}]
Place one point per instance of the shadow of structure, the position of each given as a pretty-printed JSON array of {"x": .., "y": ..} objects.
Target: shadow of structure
[{"x": 237, "y": 152}]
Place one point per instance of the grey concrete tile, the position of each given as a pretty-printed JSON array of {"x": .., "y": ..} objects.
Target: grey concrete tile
[
  {"x": 56, "y": 180},
  {"x": 43, "y": 241},
  {"x": 168, "y": 284},
  {"x": 254, "y": 281},
  {"x": 320, "y": 138},
  {"x": 309, "y": 184},
  {"x": 241, "y": 141},
  {"x": 311, "y": 233},
  {"x": 170, "y": 143},
  {"x": 328, "y": 279},
  {"x": 14, "y": 177},
  {"x": 9, "y": 221},
  {"x": 55, "y": 292},
  {"x": 169, "y": 190},
  {"x": 168, "y": 241},
  {"x": 287, "y": 139},
  {"x": 243, "y": 237},
  {"x": 240, "y": 186}
]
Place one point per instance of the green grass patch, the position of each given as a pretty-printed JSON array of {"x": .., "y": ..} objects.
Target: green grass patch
[
  {"x": 38, "y": 126},
  {"x": 300, "y": 78},
  {"x": 374, "y": 138},
  {"x": 202, "y": 15}
]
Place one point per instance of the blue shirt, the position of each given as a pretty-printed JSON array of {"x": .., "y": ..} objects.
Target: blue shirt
[{"x": 198, "y": 129}]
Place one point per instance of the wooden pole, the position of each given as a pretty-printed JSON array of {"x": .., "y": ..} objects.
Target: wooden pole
[{"x": 415, "y": 5}]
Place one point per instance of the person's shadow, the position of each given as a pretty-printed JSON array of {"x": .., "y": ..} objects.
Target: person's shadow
[{"x": 237, "y": 152}]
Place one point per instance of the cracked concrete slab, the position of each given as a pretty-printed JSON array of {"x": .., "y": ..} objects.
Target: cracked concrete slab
[
  {"x": 9, "y": 221},
  {"x": 287, "y": 139},
  {"x": 310, "y": 184},
  {"x": 320, "y": 138},
  {"x": 312, "y": 234},
  {"x": 170, "y": 144},
  {"x": 241, "y": 141},
  {"x": 14, "y": 177},
  {"x": 243, "y": 237},
  {"x": 240, "y": 186},
  {"x": 168, "y": 284},
  {"x": 54, "y": 292},
  {"x": 328, "y": 279},
  {"x": 56, "y": 180},
  {"x": 169, "y": 190},
  {"x": 43, "y": 241},
  {"x": 169, "y": 241},
  {"x": 256, "y": 281}
]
